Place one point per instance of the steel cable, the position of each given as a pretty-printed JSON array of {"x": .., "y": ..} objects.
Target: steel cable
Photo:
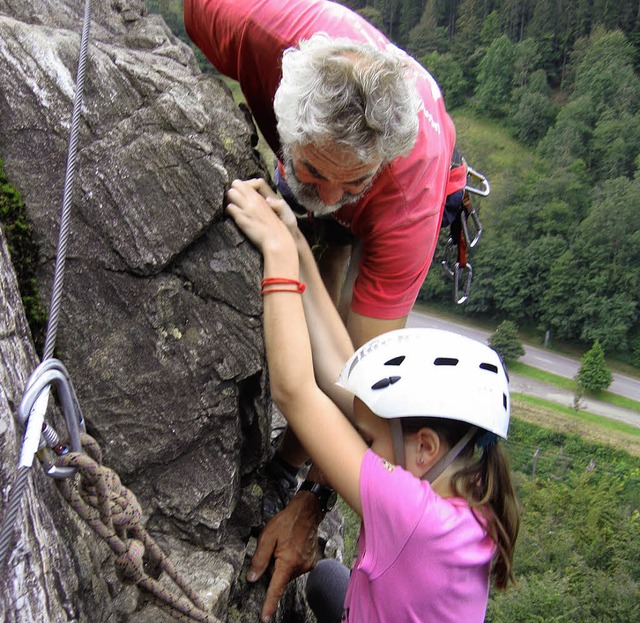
[
  {"x": 63, "y": 236},
  {"x": 17, "y": 490}
]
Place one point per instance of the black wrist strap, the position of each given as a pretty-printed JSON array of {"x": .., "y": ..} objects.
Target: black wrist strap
[{"x": 326, "y": 496}]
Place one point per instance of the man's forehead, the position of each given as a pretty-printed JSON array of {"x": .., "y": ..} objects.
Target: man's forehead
[{"x": 336, "y": 163}]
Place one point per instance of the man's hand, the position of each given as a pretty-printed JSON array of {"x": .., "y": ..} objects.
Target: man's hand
[{"x": 291, "y": 538}]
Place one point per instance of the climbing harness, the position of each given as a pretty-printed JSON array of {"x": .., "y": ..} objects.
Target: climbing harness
[
  {"x": 464, "y": 234},
  {"x": 92, "y": 490}
]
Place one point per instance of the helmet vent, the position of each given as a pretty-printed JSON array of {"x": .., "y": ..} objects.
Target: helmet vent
[
  {"x": 382, "y": 383},
  {"x": 445, "y": 361},
  {"x": 396, "y": 361},
  {"x": 490, "y": 367},
  {"x": 504, "y": 401}
]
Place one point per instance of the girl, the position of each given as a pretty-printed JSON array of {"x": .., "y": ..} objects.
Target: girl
[{"x": 437, "y": 515}]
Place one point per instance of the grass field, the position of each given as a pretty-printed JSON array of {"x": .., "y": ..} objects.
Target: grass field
[{"x": 589, "y": 427}]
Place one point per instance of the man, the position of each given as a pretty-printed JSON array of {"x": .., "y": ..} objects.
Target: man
[{"x": 364, "y": 146}]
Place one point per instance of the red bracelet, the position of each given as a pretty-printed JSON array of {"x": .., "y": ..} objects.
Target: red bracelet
[{"x": 267, "y": 282}]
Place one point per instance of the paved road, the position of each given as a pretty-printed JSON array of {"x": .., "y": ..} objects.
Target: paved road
[{"x": 551, "y": 362}]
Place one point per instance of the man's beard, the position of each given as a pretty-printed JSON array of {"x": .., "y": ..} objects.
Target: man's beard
[{"x": 307, "y": 194}]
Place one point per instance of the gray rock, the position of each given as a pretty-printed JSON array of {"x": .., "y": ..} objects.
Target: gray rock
[{"x": 160, "y": 323}]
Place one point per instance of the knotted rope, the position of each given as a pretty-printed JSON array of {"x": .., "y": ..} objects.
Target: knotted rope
[{"x": 113, "y": 512}]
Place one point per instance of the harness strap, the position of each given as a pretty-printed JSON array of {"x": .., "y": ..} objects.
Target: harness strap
[{"x": 457, "y": 178}]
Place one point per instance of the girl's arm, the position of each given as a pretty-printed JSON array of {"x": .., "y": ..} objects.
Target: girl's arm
[
  {"x": 333, "y": 444},
  {"x": 331, "y": 345}
]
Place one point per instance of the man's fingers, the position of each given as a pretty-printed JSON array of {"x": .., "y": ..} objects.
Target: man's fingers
[
  {"x": 262, "y": 556},
  {"x": 279, "y": 581}
]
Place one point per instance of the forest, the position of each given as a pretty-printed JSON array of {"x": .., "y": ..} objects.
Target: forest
[
  {"x": 560, "y": 250},
  {"x": 561, "y": 245}
]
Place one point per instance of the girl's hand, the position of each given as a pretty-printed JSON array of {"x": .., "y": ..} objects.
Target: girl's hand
[
  {"x": 280, "y": 206},
  {"x": 263, "y": 217}
]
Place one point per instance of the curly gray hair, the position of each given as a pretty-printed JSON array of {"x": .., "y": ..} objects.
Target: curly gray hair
[{"x": 350, "y": 93}]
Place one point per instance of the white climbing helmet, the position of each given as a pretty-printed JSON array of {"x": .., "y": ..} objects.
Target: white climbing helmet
[{"x": 424, "y": 372}]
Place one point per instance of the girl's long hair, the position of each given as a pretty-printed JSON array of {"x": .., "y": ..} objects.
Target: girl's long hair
[{"x": 485, "y": 482}]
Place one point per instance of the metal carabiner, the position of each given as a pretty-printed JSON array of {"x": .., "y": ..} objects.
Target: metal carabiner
[
  {"x": 50, "y": 372},
  {"x": 465, "y": 228},
  {"x": 461, "y": 300},
  {"x": 446, "y": 263},
  {"x": 471, "y": 172}
]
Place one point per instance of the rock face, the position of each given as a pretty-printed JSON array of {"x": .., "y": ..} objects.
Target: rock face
[{"x": 160, "y": 326}]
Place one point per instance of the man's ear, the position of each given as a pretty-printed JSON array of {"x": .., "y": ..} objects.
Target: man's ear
[{"x": 428, "y": 447}]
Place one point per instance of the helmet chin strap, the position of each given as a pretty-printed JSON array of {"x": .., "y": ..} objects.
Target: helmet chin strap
[
  {"x": 435, "y": 470},
  {"x": 397, "y": 437}
]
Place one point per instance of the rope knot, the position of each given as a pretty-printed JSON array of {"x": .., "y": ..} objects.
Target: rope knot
[{"x": 130, "y": 565}]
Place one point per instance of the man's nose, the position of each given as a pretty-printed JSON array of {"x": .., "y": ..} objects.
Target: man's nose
[{"x": 329, "y": 193}]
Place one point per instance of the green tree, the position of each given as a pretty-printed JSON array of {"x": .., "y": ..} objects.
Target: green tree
[
  {"x": 491, "y": 29},
  {"x": 532, "y": 117},
  {"x": 635, "y": 351},
  {"x": 426, "y": 36},
  {"x": 495, "y": 78},
  {"x": 606, "y": 74},
  {"x": 449, "y": 75},
  {"x": 615, "y": 145},
  {"x": 606, "y": 81},
  {"x": 24, "y": 255},
  {"x": 373, "y": 16},
  {"x": 610, "y": 264},
  {"x": 575, "y": 551},
  {"x": 506, "y": 342},
  {"x": 466, "y": 46},
  {"x": 532, "y": 111},
  {"x": 563, "y": 297},
  {"x": 467, "y": 29},
  {"x": 527, "y": 60},
  {"x": 569, "y": 138},
  {"x": 594, "y": 374},
  {"x": 520, "y": 286}
]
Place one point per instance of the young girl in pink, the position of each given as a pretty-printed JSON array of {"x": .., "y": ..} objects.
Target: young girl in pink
[{"x": 408, "y": 436}]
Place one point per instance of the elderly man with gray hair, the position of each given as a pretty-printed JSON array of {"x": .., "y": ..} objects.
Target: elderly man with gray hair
[{"x": 364, "y": 146}]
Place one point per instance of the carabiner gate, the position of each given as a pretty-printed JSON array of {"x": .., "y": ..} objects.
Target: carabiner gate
[
  {"x": 472, "y": 173},
  {"x": 52, "y": 372},
  {"x": 465, "y": 228},
  {"x": 461, "y": 300},
  {"x": 450, "y": 251}
]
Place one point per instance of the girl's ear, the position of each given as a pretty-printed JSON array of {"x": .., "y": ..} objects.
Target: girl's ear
[{"x": 428, "y": 447}]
